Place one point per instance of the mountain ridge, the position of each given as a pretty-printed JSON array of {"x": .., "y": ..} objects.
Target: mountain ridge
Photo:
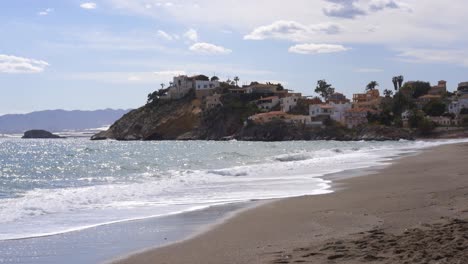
[{"x": 59, "y": 120}]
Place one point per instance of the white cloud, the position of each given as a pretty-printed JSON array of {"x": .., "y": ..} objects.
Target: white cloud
[
  {"x": 14, "y": 64},
  {"x": 317, "y": 48},
  {"x": 141, "y": 78},
  {"x": 45, "y": 12},
  {"x": 165, "y": 35},
  {"x": 291, "y": 30},
  {"x": 343, "y": 9},
  {"x": 88, "y": 5},
  {"x": 208, "y": 48},
  {"x": 191, "y": 35},
  {"x": 368, "y": 70},
  {"x": 169, "y": 73}
]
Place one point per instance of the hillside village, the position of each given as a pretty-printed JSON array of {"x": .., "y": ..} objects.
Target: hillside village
[{"x": 413, "y": 104}]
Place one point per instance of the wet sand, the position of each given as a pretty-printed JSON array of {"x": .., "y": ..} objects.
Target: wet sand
[{"x": 411, "y": 212}]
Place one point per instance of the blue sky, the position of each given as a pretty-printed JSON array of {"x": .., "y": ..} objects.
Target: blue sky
[{"x": 111, "y": 53}]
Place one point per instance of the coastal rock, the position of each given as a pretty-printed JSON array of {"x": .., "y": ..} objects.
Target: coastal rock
[
  {"x": 39, "y": 134},
  {"x": 156, "y": 121},
  {"x": 382, "y": 133}
]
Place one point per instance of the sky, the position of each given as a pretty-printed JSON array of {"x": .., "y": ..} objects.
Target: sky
[{"x": 74, "y": 54}]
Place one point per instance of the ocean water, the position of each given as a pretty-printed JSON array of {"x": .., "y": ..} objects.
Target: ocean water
[{"x": 56, "y": 186}]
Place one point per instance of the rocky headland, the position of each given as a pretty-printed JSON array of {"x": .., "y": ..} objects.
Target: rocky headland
[{"x": 185, "y": 119}]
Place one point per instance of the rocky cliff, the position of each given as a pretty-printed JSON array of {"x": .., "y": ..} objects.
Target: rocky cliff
[{"x": 157, "y": 121}]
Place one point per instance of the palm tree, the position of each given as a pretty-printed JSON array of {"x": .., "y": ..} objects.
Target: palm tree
[
  {"x": 162, "y": 85},
  {"x": 388, "y": 93},
  {"x": 236, "y": 79},
  {"x": 395, "y": 82},
  {"x": 371, "y": 86},
  {"x": 400, "y": 81}
]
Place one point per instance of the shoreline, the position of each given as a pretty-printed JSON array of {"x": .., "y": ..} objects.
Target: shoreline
[{"x": 274, "y": 230}]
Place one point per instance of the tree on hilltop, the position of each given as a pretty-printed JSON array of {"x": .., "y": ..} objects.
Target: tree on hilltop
[
  {"x": 371, "y": 86},
  {"x": 324, "y": 89}
]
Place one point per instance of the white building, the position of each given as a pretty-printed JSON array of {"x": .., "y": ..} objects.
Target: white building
[
  {"x": 182, "y": 84},
  {"x": 268, "y": 103},
  {"x": 320, "y": 110},
  {"x": 458, "y": 104},
  {"x": 289, "y": 102},
  {"x": 339, "y": 110},
  {"x": 206, "y": 84}
]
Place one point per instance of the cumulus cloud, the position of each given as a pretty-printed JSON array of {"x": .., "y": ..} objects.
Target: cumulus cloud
[
  {"x": 191, "y": 35},
  {"x": 291, "y": 30},
  {"x": 208, "y": 48},
  {"x": 343, "y": 9},
  {"x": 88, "y": 5},
  {"x": 45, "y": 12},
  {"x": 311, "y": 48},
  {"x": 14, "y": 64}
]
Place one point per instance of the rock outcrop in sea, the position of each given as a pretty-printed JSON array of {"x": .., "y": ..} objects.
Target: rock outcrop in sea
[{"x": 39, "y": 134}]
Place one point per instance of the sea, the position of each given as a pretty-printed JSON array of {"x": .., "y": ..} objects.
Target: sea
[{"x": 60, "y": 186}]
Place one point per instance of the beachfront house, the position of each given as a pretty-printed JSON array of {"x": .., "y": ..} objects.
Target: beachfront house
[
  {"x": 267, "y": 103},
  {"x": 456, "y": 105},
  {"x": 339, "y": 110},
  {"x": 182, "y": 84},
  {"x": 320, "y": 110},
  {"x": 288, "y": 102}
]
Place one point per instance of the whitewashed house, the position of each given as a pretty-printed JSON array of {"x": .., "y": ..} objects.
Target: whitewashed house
[
  {"x": 201, "y": 84},
  {"x": 339, "y": 111},
  {"x": 320, "y": 110},
  {"x": 458, "y": 104},
  {"x": 267, "y": 103},
  {"x": 289, "y": 102}
]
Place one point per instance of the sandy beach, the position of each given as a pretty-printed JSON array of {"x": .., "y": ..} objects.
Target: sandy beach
[{"x": 411, "y": 212}]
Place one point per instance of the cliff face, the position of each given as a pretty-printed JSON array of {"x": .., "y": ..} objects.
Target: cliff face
[{"x": 157, "y": 121}]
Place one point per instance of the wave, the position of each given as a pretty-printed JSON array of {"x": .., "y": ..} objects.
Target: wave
[{"x": 40, "y": 212}]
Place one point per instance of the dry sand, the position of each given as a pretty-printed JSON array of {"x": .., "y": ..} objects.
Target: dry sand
[{"x": 410, "y": 212}]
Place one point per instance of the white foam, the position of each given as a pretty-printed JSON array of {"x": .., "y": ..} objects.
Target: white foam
[{"x": 41, "y": 212}]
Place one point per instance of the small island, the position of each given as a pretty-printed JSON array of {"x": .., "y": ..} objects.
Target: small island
[{"x": 32, "y": 134}]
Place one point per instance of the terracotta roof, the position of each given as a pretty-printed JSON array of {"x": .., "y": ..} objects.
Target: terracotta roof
[
  {"x": 326, "y": 106},
  {"x": 268, "y": 98},
  {"x": 429, "y": 96},
  {"x": 273, "y": 113},
  {"x": 360, "y": 110}
]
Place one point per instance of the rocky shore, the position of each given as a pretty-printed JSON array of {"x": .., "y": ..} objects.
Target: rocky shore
[{"x": 186, "y": 120}]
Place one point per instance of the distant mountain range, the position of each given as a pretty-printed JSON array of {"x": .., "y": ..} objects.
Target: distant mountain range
[{"x": 59, "y": 120}]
